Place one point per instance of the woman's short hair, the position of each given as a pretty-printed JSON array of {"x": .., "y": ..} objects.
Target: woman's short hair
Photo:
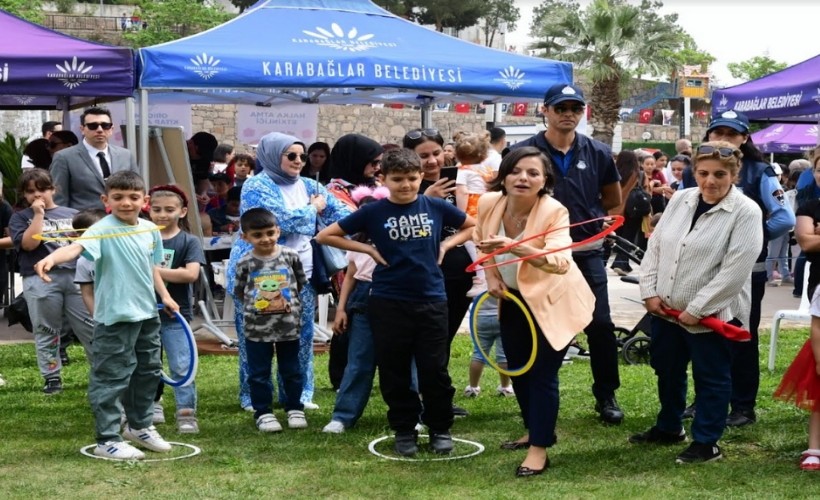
[
  {"x": 727, "y": 153},
  {"x": 512, "y": 159}
]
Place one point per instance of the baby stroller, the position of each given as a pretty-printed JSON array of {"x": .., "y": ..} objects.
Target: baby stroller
[{"x": 634, "y": 342}]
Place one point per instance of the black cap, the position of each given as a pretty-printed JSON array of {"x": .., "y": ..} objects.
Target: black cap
[{"x": 561, "y": 92}]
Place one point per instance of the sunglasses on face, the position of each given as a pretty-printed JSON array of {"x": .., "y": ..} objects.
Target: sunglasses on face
[
  {"x": 577, "y": 109},
  {"x": 96, "y": 125},
  {"x": 418, "y": 133},
  {"x": 375, "y": 163},
  {"x": 293, "y": 156},
  {"x": 722, "y": 152}
]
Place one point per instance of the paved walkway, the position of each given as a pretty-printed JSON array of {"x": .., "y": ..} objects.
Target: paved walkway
[{"x": 623, "y": 297}]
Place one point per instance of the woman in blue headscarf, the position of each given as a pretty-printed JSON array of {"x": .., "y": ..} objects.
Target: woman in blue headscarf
[{"x": 297, "y": 203}]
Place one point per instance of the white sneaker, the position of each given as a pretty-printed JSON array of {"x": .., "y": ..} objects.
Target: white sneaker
[
  {"x": 334, "y": 427},
  {"x": 567, "y": 361},
  {"x": 118, "y": 450},
  {"x": 577, "y": 352},
  {"x": 268, "y": 423},
  {"x": 310, "y": 405},
  {"x": 297, "y": 420},
  {"x": 420, "y": 428},
  {"x": 506, "y": 392},
  {"x": 159, "y": 414},
  {"x": 479, "y": 286},
  {"x": 773, "y": 282},
  {"x": 248, "y": 408},
  {"x": 147, "y": 438},
  {"x": 187, "y": 422},
  {"x": 472, "y": 392}
]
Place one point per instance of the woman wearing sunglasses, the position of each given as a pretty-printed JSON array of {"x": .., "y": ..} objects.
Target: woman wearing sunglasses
[
  {"x": 297, "y": 202},
  {"x": 429, "y": 145},
  {"x": 698, "y": 261}
]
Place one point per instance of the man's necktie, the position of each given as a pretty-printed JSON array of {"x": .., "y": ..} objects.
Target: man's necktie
[{"x": 106, "y": 170}]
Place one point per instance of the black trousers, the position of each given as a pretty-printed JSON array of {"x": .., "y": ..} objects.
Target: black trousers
[
  {"x": 746, "y": 355},
  {"x": 404, "y": 331}
]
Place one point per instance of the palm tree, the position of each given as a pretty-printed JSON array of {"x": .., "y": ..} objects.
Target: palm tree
[{"x": 608, "y": 42}]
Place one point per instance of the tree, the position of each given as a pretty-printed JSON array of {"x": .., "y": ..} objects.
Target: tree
[
  {"x": 609, "y": 41},
  {"x": 242, "y": 4},
  {"x": 456, "y": 14},
  {"x": 172, "y": 19},
  {"x": 31, "y": 10},
  {"x": 499, "y": 13},
  {"x": 690, "y": 55},
  {"x": 756, "y": 67}
]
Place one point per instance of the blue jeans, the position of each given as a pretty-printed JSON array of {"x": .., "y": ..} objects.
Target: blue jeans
[
  {"x": 260, "y": 362},
  {"x": 357, "y": 381},
  {"x": 175, "y": 343},
  {"x": 670, "y": 351},
  {"x": 489, "y": 333},
  {"x": 779, "y": 253}
]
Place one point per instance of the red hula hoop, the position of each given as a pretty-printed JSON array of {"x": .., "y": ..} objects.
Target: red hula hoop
[{"x": 618, "y": 221}]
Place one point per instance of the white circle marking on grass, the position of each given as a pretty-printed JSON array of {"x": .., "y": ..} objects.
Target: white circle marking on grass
[
  {"x": 372, "y": 448},
  {"x": 195, "y": 450}
]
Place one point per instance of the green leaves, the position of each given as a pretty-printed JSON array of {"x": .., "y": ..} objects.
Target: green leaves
[
  {"x": 31, "y": 10},
  {"x": 173, "y": 19},
  {"x": 756, "y": 67},
  {"x": 11, "y": 156}
]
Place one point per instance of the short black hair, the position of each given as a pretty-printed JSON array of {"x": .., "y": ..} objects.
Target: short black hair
[
  {"x": 96, "y": 110},
  {"x": 401, "y": 161},
  {"x": 511, "y": 160},
  {"x": 496, "y": 134},
  {"x": 257, "y": 218},
  {"x": 234, "y": 194},
  {"x": 87, "y": 218},
  {"x": 125, "y": 180},
  {"x": 48, "y": 127},
  {"x": 66, "y": 136}
]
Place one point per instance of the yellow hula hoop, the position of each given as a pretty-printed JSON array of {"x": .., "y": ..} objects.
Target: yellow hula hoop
[
  {"x": 476, "y": 306},
  {"x": 41, "y": 237}
]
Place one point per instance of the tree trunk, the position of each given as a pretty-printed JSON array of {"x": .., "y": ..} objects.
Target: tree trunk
[{"x": 606, "y": 103}]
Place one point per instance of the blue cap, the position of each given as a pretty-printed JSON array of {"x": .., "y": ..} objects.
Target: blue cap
[
  {"x": 732, "y": 119},
  {"x": 563, "y": 92}
]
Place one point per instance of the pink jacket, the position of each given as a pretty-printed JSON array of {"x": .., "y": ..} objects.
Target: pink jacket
[{"x": 561, "y": 304}]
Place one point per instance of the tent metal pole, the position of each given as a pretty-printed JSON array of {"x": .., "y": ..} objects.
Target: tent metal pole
[
  {"x": 143, "y": 144},
  {"x": 130, "y": 126},
  {"x": 65, "y": 108},
  {"x": 426, "y": 115}
]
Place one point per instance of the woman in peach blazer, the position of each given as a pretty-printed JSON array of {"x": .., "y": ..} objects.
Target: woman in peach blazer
[{"x": 551, "y": 287}]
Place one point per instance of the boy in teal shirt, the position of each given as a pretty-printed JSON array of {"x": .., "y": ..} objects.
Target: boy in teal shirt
[{"x": 125, "y": 311}]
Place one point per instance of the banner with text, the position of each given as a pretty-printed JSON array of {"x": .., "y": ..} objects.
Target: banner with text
[
  {"x": 298, "y": 120},
  {"x": 159, "y": 115}
]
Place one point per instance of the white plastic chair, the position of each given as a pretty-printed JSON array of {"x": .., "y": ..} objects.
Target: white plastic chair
[{"x": 801, "y": 314}]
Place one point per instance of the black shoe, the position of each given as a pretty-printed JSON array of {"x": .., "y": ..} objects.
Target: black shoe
[
  {"x": 609, "y": 410},
  {"x": 459, "y": 411},
  {"x": 64, "y": 356},
  {"x": 522, "y": 471},
  {"x": 441, "y": 442},
  {"x": 741, "y": 418},
  {"x": 657, "y": 436},
  {"x": 515, "y": 445},
  {"x": 53, "y": 386},
  {"x": 699, "y": 452},
  {"x": 407, "y": 443},
  {"x": 689, "y": 412}
]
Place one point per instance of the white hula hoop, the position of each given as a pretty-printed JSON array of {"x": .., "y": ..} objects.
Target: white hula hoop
[
  {"x": 372, "y": 448},
  {"x": 195, "y": 450},
  {"x": 188, "y": 378}
]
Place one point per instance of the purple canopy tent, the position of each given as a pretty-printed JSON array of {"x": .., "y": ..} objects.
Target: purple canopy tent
[
  {"x": 43, "y": 69},
  {"x": 792, "y": 94},
  {"x": 786, "y": 138}
]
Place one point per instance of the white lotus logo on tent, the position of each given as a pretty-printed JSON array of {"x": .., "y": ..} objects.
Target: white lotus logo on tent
[
  {"x": 723, "y": 101},
  {"x": 205, "y": 66},
  {"x": 812, "y": 130},
  {"x": 73, "y": 73},
  {"x": 23, "y": 99},
  {"x": 337, "y": 38},
  {"x": 775, "y": 131},
  {"x": 512, "y": 77}
]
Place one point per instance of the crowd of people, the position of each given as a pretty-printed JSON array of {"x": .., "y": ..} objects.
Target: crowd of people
[{"x": 413, "y": 217}]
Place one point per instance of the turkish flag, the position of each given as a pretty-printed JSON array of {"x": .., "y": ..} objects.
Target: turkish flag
[
  {"x": 396, "y": 106},
  {"x": 520, "y": 109},
  {"x": 645, "y": 116},
  {"x": 462, "y": 107}
]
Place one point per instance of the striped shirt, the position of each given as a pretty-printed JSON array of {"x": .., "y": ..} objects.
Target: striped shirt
[{"x": 706, "y": 271}]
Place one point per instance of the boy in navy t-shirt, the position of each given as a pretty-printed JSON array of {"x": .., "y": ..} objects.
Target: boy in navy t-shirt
[{"x": 408, "y": 306}]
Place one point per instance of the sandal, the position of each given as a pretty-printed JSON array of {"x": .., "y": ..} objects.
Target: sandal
[{"x": 810, "y": 460}]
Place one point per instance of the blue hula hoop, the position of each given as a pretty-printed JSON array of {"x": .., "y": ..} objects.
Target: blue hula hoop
[{"x": 188, "y": 378}]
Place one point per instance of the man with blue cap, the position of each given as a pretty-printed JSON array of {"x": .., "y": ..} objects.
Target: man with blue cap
[{"x": 587, "y": 183}]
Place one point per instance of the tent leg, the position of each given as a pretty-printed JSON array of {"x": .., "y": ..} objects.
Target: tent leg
[
  {"x": 130, "y": 126},
  {"x": 143, "y": 144}
]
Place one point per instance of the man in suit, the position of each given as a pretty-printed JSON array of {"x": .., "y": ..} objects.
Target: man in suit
[{"x": 79, "y": 172}]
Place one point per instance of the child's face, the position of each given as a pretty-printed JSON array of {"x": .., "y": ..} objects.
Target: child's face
[
  {"x": 32, "y": 193},
  {"x": 125, "y": 204},
  {"x": 262, "y": 240},
  {"x": 203, "y": 186},
  {"x": 242, "y": 169},
  {"x": 221, "y": 187},
  {"x": 677, "y": 170},
  {"x": 167, "y": 210},
  {"x": 232, "y": 207},
  {"x": 404, "y": 187}
]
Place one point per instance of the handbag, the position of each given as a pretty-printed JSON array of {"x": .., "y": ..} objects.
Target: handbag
[
  {"x": 334, "y": 259},
  {"x": 319, "y": 278},
  {"x": 638, "y": 202},
  {"x": 17, "y": 312}
]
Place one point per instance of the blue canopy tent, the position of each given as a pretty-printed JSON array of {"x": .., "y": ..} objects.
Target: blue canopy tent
[{"x": 337, "y": 52}]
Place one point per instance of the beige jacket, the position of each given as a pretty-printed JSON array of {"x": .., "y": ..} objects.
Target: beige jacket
[{"x": 561, "y": 304}]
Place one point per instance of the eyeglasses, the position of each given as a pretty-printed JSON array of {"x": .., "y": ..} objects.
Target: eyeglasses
[
  {"x": 722, "y": 152},
  {"x": 52, "y": 145},
  {"x": 418, "y": 133},
  {"x": 96, "y": 125},
  {"x": 375, "y": 163},
  {"x": 293, "y": 156},
  {"x": 577, "y": 109}
]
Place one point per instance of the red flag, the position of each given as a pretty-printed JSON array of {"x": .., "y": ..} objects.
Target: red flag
[
  {"x": 462, "y": 107},
  {"x": 645, "y": 116},
  {"x": 520, "y": 109},
  {"x": 396, "y": 106}
]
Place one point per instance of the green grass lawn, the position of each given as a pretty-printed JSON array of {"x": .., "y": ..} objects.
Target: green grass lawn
[{"x": 41, "y": 438}]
